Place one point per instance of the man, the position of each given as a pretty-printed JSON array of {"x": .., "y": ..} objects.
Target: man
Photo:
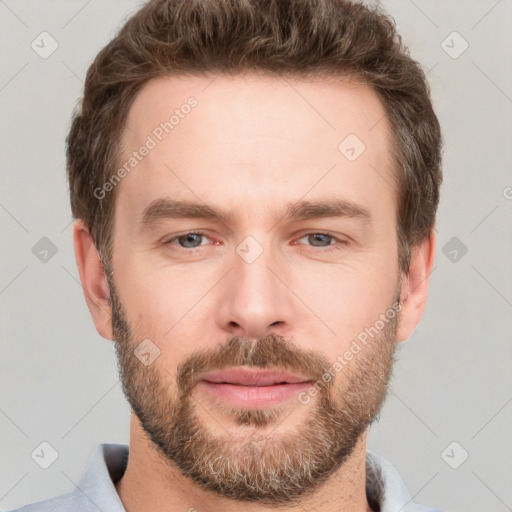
[{"x": 255, "y": 185}]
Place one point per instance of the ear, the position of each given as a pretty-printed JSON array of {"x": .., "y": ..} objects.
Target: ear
[
  {"x": 93, "y": 278},
  {"x": 414, "y": 291}
]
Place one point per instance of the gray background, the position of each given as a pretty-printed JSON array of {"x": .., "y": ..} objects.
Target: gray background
[{"x": 59, "y": 380}]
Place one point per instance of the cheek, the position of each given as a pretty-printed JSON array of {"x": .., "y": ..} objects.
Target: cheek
[
  {"x": 161, "y": 293},
  {"x": 347, "y": 298},
  {"x": 167, "y": 305}
]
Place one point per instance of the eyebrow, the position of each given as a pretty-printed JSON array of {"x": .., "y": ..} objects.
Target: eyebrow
[{"x": 165, "y": 208}]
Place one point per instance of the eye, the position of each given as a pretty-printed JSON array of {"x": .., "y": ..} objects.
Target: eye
[
  {"x": 195, "y": 239},
  {"x": 189, "y": 240},
  {"x": 321, "y": 240}
]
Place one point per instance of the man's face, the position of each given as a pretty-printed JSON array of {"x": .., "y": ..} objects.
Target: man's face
[{"x": 278, "y": 282}]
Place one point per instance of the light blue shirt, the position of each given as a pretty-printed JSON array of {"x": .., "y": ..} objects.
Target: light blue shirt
[{"x": 96, "y": 488}]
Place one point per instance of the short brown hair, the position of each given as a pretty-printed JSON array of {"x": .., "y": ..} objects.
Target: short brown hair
[{"x": 332, "y": 38}]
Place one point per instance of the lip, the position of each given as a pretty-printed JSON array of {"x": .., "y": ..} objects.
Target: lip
[
  {"x": 254, "y": 377},
  {"x": 252, "y": 389}
]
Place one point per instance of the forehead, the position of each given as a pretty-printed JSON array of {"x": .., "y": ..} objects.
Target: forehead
[{"x": 233, "y": 138}]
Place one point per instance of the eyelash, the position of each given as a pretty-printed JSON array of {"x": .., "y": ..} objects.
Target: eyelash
[{"x": 327, "y": 248}]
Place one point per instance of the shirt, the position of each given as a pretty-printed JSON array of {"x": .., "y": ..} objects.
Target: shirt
[{"x": 107, "y": 464}]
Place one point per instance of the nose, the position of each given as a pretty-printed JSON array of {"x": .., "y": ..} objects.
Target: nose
[{"x": 255, "y": 300}]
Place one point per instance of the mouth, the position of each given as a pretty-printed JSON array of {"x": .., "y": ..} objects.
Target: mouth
[
  {"x": 250, "y": 388},
  {"x": 254, "y": 378}
]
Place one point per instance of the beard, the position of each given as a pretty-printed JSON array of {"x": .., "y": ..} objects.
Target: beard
[{"x": 261, "y": 466}]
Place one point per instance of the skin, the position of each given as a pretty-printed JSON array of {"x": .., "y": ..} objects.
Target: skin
[{"x": 253, "y": 144}]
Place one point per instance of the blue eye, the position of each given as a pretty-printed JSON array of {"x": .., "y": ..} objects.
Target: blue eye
[
  {"x": 188, "y": 240},
  {"x": 195, "y": 239},
  {"x": 319, "y": 239}
]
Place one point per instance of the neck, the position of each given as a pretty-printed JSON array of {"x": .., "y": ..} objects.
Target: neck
[{"x": 151, "y": 483}]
